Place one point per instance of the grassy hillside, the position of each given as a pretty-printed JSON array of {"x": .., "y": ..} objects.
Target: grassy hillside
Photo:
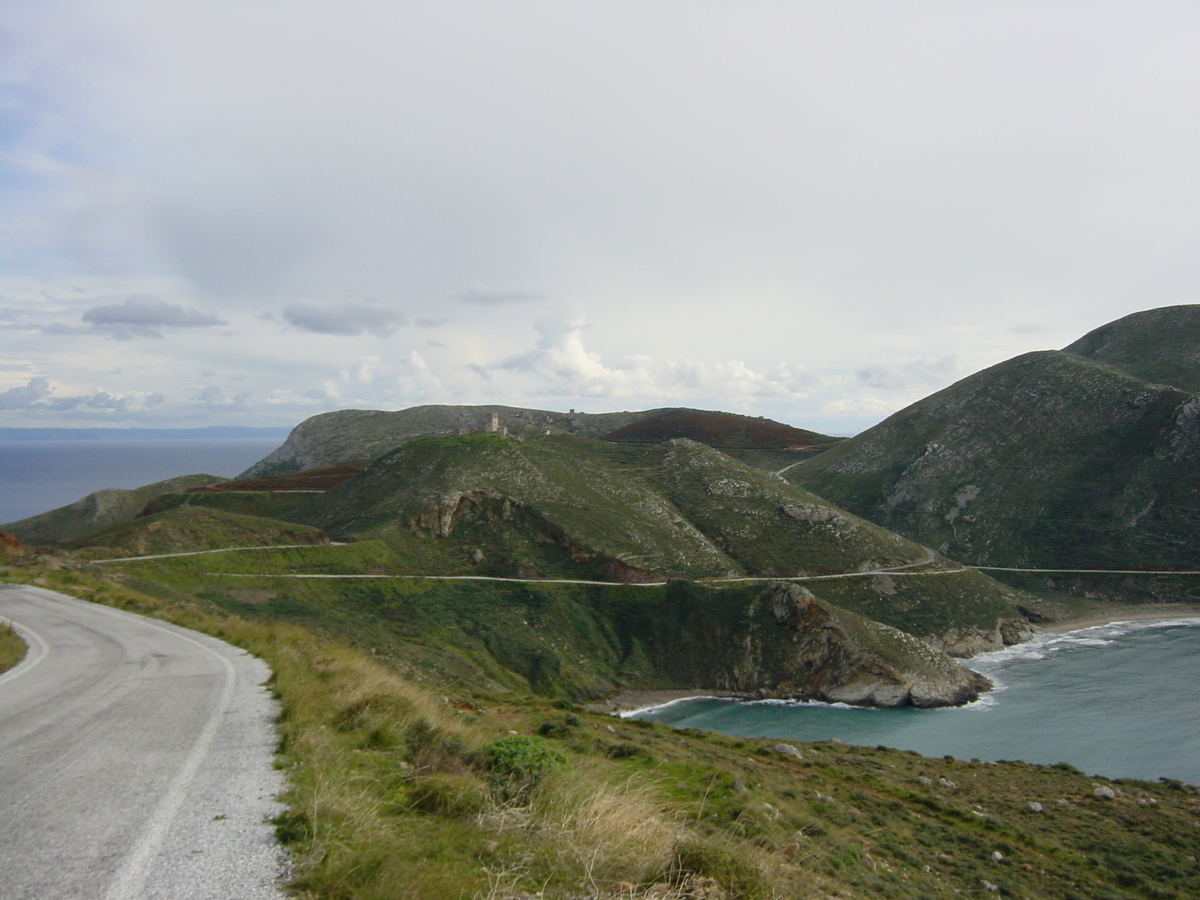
[
  {"x": 425, "y": 790},
  {"x": 98, "y": 510},
  {"x": 1156, "y": 345},
  {"x": 361, "y": 435},
  {"x": 192, "y": 528},
  {"x": 573, "y": 641},
  {"x": 678, "y": 509}
]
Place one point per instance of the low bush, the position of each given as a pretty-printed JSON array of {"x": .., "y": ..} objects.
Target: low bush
[{"x": 517, "y": 763}]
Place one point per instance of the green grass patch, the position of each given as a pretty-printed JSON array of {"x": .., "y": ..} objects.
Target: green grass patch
[{"x": 12, "y": 648}]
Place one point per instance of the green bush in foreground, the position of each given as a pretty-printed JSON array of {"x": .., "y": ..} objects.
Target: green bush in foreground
[{"x": 519, "y": 763}]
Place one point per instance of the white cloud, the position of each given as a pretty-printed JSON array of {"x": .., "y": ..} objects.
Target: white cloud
[
  {"x": 810, "y": 228},
  {"x": 39, "y": 395}
]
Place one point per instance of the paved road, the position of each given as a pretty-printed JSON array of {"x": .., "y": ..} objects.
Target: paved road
[{"x": 135, "y": 760}]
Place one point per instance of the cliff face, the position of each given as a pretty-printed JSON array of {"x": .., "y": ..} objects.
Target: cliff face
[
  {"x": 834, "y": 655},
  {"x": 1056, "y": 459},
  {"x": 782, "y": 642}
]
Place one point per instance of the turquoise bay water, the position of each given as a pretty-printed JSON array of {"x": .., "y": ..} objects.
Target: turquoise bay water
[{"x": 1120, "y": 700}]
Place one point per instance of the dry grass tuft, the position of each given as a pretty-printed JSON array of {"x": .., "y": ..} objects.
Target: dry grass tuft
[{"x": 607, "y": 833}]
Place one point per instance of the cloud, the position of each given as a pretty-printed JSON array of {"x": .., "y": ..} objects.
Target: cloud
[
  {"x": 143, "y": 316},
  {"x": 482, "y": 295},
  {"x": 918, "y": 373},
  {"x": 37, "y": 394},
  {"x": 212, "y": 397},
  {"x": 30, "y": 395},
  {"x": 561, "y": 364},
  {"x": 345, "y": 318}
]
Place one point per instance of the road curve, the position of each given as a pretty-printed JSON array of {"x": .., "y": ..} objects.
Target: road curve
[{"x": 135, "y": 760}]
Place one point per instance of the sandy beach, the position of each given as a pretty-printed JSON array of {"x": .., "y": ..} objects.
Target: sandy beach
[
  {"x": 1104, "y": 614},
  {"x": 1083, "y": 617}
]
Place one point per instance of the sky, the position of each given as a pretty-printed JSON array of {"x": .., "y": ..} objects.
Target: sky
[{"x": 247, "y": 213}]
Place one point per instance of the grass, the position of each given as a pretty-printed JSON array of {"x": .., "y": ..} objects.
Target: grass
[
  {"x": 397, "y": 790},
  {"x": 12, "y": 648}
]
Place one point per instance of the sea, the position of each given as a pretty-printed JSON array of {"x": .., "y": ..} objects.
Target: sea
[
  {"x": 1119, "y": 700},
  {"x": 36, "y": 476}
]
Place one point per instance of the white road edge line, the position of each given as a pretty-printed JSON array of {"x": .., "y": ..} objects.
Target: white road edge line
[{"x": 131, "y": 877}]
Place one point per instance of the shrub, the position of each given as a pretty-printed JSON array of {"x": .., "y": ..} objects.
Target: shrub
[{"x": 518, "y": 762}]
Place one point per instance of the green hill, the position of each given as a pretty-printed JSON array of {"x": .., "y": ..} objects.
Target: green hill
[
  {"x": 1066, "y": 459},
  {"x": 99, "y": 510},
  {"x": 360, "y": 435},
  {"x": 194, "y": 528}
]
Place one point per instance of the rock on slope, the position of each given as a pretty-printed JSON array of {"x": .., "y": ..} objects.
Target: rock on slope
[{"x": 1079, "y": 458}]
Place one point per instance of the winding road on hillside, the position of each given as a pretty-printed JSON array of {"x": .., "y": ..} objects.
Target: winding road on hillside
[{"x": 135, "y": 760}]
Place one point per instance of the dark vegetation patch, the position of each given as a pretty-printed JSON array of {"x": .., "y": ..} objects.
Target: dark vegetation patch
[{"x": 720, "y": 430}]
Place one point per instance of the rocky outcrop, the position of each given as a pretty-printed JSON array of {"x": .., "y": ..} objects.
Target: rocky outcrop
[
  {"x": 831, "y": 654},
  {"x": 965, "y": 642}
]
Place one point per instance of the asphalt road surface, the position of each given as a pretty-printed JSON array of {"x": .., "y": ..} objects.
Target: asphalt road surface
[{"x": 135, "y": 760}]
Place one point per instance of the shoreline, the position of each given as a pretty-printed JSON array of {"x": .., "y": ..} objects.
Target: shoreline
[
  {"x": 635, "y": 701},
  {"x": 1140, "y": 612}
]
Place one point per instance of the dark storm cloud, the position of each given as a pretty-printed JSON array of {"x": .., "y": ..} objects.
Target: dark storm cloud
[{"x": 345, "y": 318}]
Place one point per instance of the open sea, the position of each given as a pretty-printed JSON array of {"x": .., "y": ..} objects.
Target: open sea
[
  {"x": 36, "y": 476},
  {"x": 1121, "y": 700}
]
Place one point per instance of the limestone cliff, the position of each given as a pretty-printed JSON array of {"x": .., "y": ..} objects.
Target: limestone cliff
[{"x": 832, "y": 654}]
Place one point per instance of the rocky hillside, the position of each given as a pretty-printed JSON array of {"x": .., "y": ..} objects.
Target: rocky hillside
[
  {"x": 711, "y": 533},
  {"x": 357, "y": 436},
  {"x": 360, "y": 435},
  {"x": 678, "y": 509},
  {"x": 1079, "y": 458}
]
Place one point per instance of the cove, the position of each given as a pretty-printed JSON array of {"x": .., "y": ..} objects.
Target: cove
[{"x": 1120, "y": 700}]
